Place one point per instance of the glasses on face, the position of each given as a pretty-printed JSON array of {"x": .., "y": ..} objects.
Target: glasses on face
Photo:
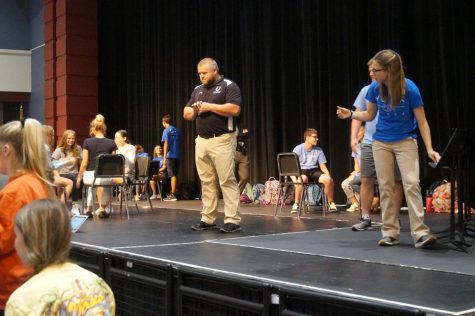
[
  {"x": 314, "y": 136},
  {"x": 374, "y": 70}
]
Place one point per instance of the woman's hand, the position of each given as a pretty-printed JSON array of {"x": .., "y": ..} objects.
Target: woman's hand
[{"x": 433, "y": 155}]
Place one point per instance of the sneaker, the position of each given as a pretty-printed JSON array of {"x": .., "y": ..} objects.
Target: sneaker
[
  {"x": 230, "y": 228},
  {"x": 153, "y": 197},
  {"x": 137, "y": 198},
  {"x": 332, "y": 207},
  {"x": 75, "y": 210},
  {"x": 109, "y": 210},
  {"x": 203, "y": 226},
  {"x": 295, "y": 208},
  {"x": 425, "y": 241},
  {"x": 364, "y": 224},
  {"x": 353, "y": 208},
  {"x": 388, "y": 241},
  {"x": 170, "y": 198}
]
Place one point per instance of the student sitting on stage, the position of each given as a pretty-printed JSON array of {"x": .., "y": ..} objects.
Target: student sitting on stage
[
  {"x": 351, "y": 195},
  {"x": 58, "y": 287},
  {"x": 162, "y": 171},
  {"x": 314, "y": 166}
]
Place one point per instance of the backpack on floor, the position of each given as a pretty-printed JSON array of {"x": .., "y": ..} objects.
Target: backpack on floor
[
  {"x": 314, "y": 194},
  {"x": 271, "y": 191},
  {"x": 441, "y": 198},
  {"x": 257, "y": 192},
  {"x": 246, "y": 194}
]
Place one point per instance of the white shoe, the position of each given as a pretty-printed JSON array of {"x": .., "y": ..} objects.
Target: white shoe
[
  {"x": 295, "y": 208},
  {"x": 109, "y": 210},
  {"x": 153, "y": 197},
  {"x": 137, "y": 198},
  {"x": 75, "y": 210},
  {"x": 332, "y": 207},
  {"x": 353, "y": 208}
]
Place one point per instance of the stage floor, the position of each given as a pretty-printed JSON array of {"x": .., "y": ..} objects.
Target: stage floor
[{"x": 314, "y": 253}]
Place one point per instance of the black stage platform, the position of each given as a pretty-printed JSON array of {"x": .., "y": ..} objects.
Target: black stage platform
[{"x": 315, "y": 265}]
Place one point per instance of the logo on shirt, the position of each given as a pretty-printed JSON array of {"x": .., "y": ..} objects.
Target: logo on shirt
[{"x": 217, "y": 90}]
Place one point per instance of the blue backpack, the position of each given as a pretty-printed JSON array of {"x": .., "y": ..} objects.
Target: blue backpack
[
  {"x": 257, "y": 191},
  {"x": 314, "y": 194}
]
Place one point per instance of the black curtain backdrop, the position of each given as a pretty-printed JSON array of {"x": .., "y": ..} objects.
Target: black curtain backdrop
[{"x": 295, "y": 60}]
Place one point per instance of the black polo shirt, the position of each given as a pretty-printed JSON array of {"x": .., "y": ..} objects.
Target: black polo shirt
[{"x": 220, "y": 92}]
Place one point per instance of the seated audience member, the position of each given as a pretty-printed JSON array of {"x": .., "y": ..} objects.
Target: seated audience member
[
  {"x": 62, "y": 182},
  {"x": 70, "y": 154},
  {"x": 127, "y": 150},
  {"x": 314, "y": 166},
  {"x": 94, "y": 146},
  {"x": 58, "y": 286},
  {"x": 139, "y": 152},
  {"x": 24, "y": 162},
  {"x": 347, "y": 184},
  {"x": 161, "y": 175}
]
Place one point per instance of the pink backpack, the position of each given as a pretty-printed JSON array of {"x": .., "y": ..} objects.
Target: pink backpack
[{"x": 271, "y": 191}]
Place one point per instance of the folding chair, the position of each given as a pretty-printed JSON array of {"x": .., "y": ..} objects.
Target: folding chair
[
  {"x": 109, "y": 166},
  {"x": 142, "y": 165},
  {"x": 288, "y": 165}
]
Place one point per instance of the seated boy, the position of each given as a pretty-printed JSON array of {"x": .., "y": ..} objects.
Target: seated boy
[{"x": 313, "y": 165}]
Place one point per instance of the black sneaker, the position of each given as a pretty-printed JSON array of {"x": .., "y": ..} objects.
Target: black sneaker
[
  {"x": 203, "y": 226},
  {"x": 170, "y": 198},
  {"x": 364, "y": 224},
  {"x": 230, "y": 228},
  {"x": 425, "y": 241}
]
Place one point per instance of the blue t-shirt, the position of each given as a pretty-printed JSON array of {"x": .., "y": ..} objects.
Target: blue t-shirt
[
  {"x": 398, "y": 123},
  {"x": 171, "y": 134},
  {"x": 310, "y": 159},
  {"x": 160, "y": 159},
  {"x": 362, "y": 105}
]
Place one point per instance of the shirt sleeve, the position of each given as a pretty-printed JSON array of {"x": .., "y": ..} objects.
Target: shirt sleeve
[
  {"x": 373, "y": 92},
  {"x": 233, "y": 94},
  {"x": 9, "y": 204},
  {"x": 56, "y": 154}
]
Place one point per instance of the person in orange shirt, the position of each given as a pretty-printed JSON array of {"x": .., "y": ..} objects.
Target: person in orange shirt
[{"x": 23, "y": 160}]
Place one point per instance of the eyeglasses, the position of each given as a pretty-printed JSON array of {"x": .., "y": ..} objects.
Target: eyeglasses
[
  {"x": 314, "y": 136},
  {"x": 376, "y": 70}
]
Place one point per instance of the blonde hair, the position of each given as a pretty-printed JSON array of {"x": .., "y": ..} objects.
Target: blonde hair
[
  {"x": 48, "y": 132},
  {"x": 46, "y": 229},
  {"x": 155, "y": 150},
  {"x": 28, "y": 143},
  {"x": 63, "y": 144},
  {"x": 396, "y": 87},
  {"x": 98, "y": 124}
]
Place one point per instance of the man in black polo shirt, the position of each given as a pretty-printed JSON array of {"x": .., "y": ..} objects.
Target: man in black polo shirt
[{"x": 214, "y": 105}]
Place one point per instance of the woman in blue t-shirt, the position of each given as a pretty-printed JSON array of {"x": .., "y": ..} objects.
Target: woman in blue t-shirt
[{"x": 401, "y": 111}]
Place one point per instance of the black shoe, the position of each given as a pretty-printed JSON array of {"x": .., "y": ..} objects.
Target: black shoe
[
  {"x": 89, "y": 214},
  {"x": 203, "y": 226},
  {"x": 170, "y": 198},
  {"x": 364, "y": 224},
  {"x": 230, "y": 228},
  {"x": 425, "y": 241}
]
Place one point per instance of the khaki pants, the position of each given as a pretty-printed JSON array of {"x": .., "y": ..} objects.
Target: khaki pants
[
  {"x": 214, "y": 159},
  {"x": 405, "y": 153}
]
